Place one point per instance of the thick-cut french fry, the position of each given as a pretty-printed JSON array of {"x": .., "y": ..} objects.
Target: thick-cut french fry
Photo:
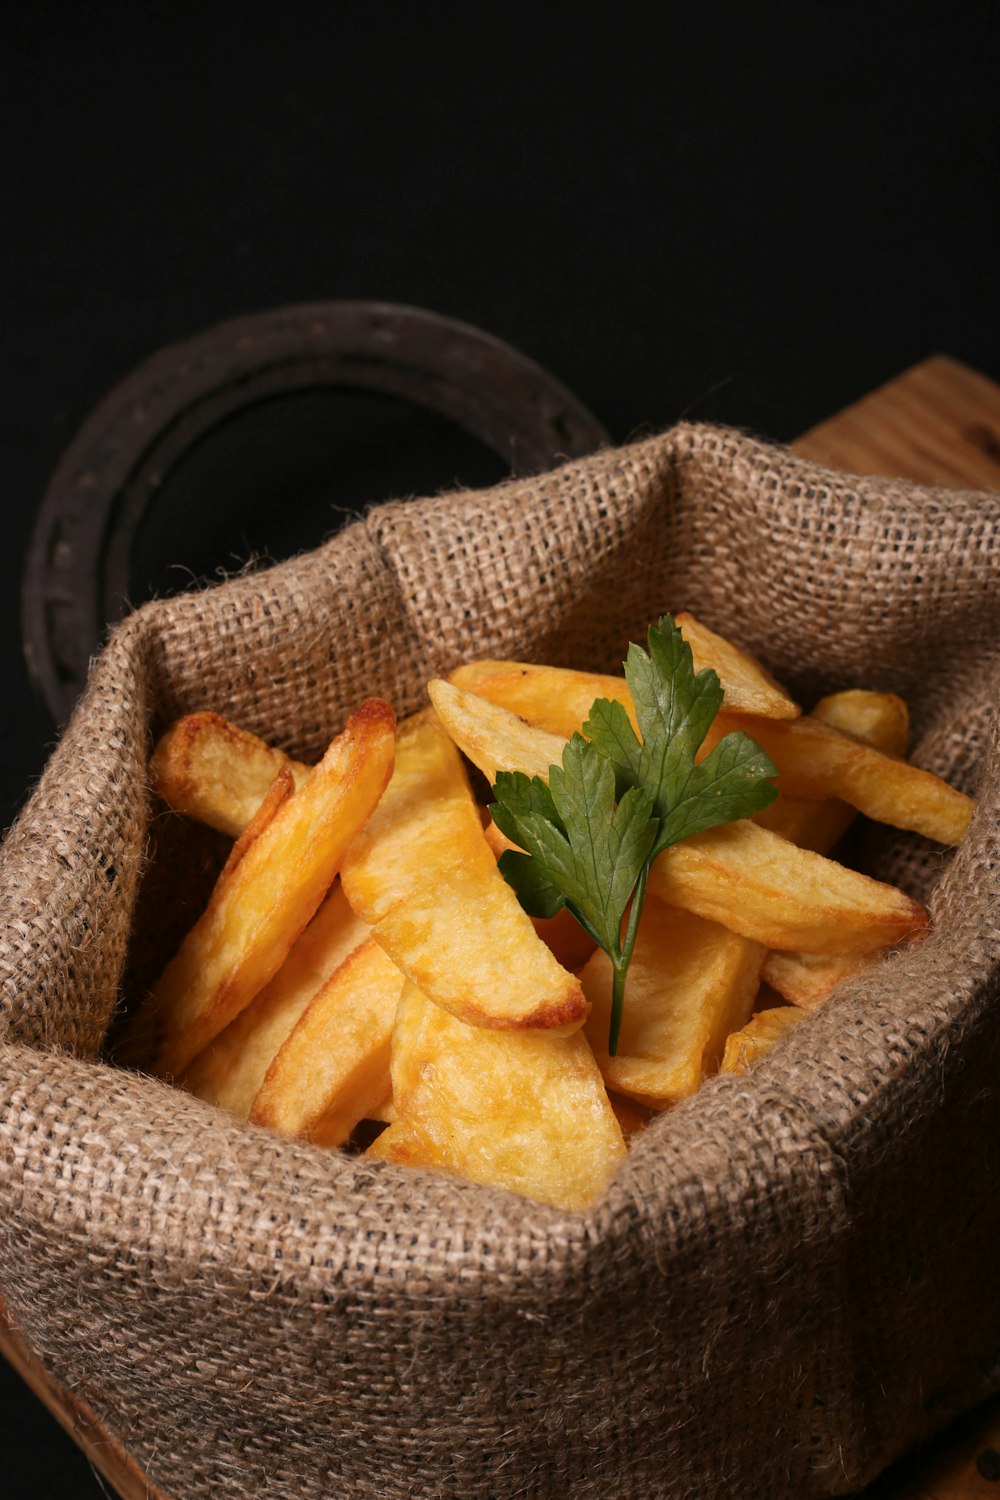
[
  {"x": 749, "y": 688},
  {"x": 765, "y": 887},
  {"x": 138, "y": 1042},
  {"x": 632, "y": 1116},
  {"x": 524, "y": 1112},
  {"x": 493, "y": 737},
  {"x": 816, "y": 823},
  {"x": 213, "y": 771},
  {"x": 277, "y": 794},
  {"x": 555, "y": 703},
  {"x": 230, "y": 1070},
  {"x": 570, "y": 942},
  {"x": 422, "y": 876},
  {"x": 559, "y": 699},
  {"x": 555, "y": 699},
  {"x": 255, "y": 916},
  {"x": 742, "y": 876},
  {"x": 882, "y": 720},
  {"x": 690, "y": 984},
  {"x": 816, "y": 760},
  {"x": 759, "y": 1035},
  {"x": 333, "y": 1068},
  {"x": 806, "y": 979}
]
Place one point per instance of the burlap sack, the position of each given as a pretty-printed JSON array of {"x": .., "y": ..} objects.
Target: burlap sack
[{"x": 793, "y": 1277}]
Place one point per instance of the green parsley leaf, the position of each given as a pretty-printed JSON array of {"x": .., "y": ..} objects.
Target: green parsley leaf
[
  {"x": 580, "y": 846},
  {"x": 537, "y": 893},
  {"x": 675, "y": 708},
  {"x": 580, "y": 849}
]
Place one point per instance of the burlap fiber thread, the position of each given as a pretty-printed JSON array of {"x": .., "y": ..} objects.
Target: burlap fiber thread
[{"x": 794, "y": 1275}]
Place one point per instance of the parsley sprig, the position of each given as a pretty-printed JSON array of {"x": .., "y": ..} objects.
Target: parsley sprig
[{"x": 587, "y": 839}]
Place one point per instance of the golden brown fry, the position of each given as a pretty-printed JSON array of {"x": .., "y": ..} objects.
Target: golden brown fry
[
  {"x": 749, "y": 688},
  {"x": 230, "y": 1070},
  {"x": 213, "y": 771},
  {"x": 277, "y": 794},
  {"x": 138, "y": 1042},
  {"x": 384, "y": 1113},
  {"x": 631, "y": 1116},
  {"x": 493, "y": 737},
  {"x": 562, "y": 933},
  {"x": 690, "y": 984},
  {"x": 422, "y": 875},
  {"x": 560, "y": 699},
  {"x": 816, "y": 760},
  {"x": 880, "y": 719},
  {"x": 333, "y": 1068},
  {"x": 740, "y": 875},
  {"x": 254, "y": 917},
  {"x": 817, "y": 823},
  {"x": 747, "y": 1046},
  {"x": 525, "y": 1112},
  {"x": 806, "y": 979},
  {"x": 551, "y": 698},
  {"x": 761, "y": 885}
]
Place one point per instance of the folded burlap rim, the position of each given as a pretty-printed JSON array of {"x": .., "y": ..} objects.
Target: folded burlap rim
[{"x": 772, "y": 1298}]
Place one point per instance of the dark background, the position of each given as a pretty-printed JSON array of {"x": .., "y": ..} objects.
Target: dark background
[{"x": 744, "y": 213}]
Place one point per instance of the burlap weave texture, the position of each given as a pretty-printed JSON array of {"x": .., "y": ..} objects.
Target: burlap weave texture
[{"x": 793, "y": 1276}]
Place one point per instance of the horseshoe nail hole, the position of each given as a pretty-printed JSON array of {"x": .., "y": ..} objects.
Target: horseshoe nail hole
[{"x": 280, "y": 476}]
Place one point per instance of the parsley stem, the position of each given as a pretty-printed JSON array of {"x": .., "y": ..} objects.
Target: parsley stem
[{"x": 621, "y": 961}]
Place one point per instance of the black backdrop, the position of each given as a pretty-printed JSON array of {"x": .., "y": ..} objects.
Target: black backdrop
[{"x": 745, "y": 213}]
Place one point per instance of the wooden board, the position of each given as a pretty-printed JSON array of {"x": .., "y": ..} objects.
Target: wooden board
[
  {"x": 938, "y": 423},
  {"x": 963, "y": 1464},
  {"x": 104, "y": 1451}
]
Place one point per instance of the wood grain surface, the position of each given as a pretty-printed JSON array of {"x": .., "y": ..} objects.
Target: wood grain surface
[
  {"x": 938, "y": 423},
  {"x": 962, "y": 1464},
  {"x": 105, "y": 1452}
]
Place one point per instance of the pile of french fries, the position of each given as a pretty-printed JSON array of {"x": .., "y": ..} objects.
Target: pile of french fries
[{"x": 363, "y": 973}]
